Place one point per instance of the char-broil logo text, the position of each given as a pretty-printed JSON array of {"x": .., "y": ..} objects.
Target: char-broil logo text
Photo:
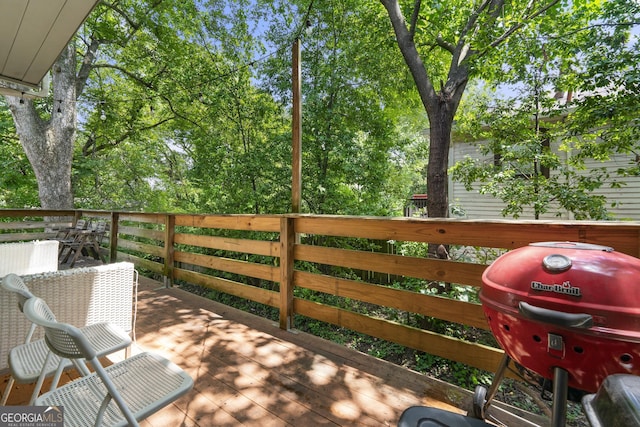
[{"x": 565, "y": 288}]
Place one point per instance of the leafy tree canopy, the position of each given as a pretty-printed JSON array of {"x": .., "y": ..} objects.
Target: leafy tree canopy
[
  {"x": 185, "y": 106},
  {"x": 541, "y": 147}
]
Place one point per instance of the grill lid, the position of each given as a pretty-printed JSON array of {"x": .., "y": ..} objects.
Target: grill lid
[
  {"x": 568, "y": 277},
  {"x": 570, "y": 305}
]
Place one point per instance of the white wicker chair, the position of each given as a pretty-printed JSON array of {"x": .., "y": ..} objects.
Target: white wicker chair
[
  {"x": 119, "y": 395},
  {"x": 38, "y": 256},
  {"x": 27, "y": 361},
  {"x": 78, "y": 296}
]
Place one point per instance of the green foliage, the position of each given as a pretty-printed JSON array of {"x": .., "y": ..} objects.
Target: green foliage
[
  {"x": 536, "y": 150},
  {"x": 453, "y": 372},
  {"x": 187, "y": 105},
  {"x": 385, "y": 349},
  {"x": 178, "y": 115},
  {"x": 135, "y": 105},
  {"x": 240, "y": 303},
  {"x": 607, "y": 122},
  {"x": 352, "y": 140}
]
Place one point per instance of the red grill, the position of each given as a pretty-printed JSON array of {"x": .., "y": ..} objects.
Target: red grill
[
  {"x": 566, "y": 305},
  {"x": 570, "y": 312}
]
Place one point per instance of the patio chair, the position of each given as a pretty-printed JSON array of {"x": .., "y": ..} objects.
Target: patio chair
[
  {"x": 27, "y": 361},
  {"x": 118, "y": 395},
  {"x": 66, "y": 234},
  {"x": 84, "y": 241}
]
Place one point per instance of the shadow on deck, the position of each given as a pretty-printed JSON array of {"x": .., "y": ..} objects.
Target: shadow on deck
[{"x": 249, "y": 372}]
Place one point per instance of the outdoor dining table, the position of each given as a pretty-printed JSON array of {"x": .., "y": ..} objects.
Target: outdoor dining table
[{"x": 85, "y": 242}]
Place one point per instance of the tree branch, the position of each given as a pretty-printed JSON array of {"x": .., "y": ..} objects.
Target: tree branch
[
  {"x": 414, "y": 17},
  {"x": 127, "y": 73},
  {"x": 473, "y": 19},
  {"x": 124, "y": 15},
  {"x": 88, "y": 60},
  {"x": 87, "y": 65},
  {"x": 449, "y": 47},
  {"x": 519, "y": 25},
  {"x": 91, "y": 141},
  {"x": 410, "y": 52},
  {"x": 604, "y": 24},
  {"x": 463, "y": 50}
]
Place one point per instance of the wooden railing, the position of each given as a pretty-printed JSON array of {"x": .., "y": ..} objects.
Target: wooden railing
[{"x": 298, "y": 264}]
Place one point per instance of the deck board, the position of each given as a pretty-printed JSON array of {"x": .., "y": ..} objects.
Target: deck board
[
  {"x": 260, "y": 375},
  {"x": 249, "y": 372}
]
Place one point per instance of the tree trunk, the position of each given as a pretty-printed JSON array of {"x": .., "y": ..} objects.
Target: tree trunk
[
  {"x": 48, "y": 142},
  {"x": 440, "y": 106},
  {"x": 441, "y": 121}
]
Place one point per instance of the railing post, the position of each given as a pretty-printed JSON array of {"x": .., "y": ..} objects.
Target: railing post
[
  {"x": 113, "y": 237},
  {"x": 169, "y": 235},
  {"x": 287, "y": 242},
  {"x": 296, "y": 130}
]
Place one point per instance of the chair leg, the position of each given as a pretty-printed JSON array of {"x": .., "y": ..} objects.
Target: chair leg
[
  {"x": 65, "y": 253},
  {"x": 61, "y": 251},
  {"x": 7, "y": 390},
  {"x": 81, "y": 367},
  {"x": 66, "y": 257},
  {"x": 73, "y": 249},
  {"x": 75, "y": 256},
  {"x": 113, "y": 393},
  {"x": 94, "y": 247},
  {"x": 55, "y": 380},
  {"x": 40, "y": 382}
]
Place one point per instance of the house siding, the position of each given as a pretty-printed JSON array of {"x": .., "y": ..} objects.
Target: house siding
[{"x": 482, "y": 206}]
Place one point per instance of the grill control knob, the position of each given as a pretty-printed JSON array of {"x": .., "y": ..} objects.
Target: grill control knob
[{"x": 556, "y": 263}]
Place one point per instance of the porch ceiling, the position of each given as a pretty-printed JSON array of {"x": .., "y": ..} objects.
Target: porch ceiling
[{"x": 33, "y": 33}]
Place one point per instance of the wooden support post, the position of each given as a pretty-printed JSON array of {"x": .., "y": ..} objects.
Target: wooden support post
[
  {"x": 169, "y": 235},
  {"x": 287, "y": 243},
  {"x": 113, "y": 237},
  {"x": 296, "y": 130}
]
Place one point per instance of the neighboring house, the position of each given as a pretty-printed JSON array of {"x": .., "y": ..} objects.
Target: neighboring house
[{"x": 473, "y": 205}]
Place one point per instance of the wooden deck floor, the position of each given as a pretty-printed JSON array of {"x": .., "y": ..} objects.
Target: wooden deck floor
[{"x": 248, "y": 372}]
